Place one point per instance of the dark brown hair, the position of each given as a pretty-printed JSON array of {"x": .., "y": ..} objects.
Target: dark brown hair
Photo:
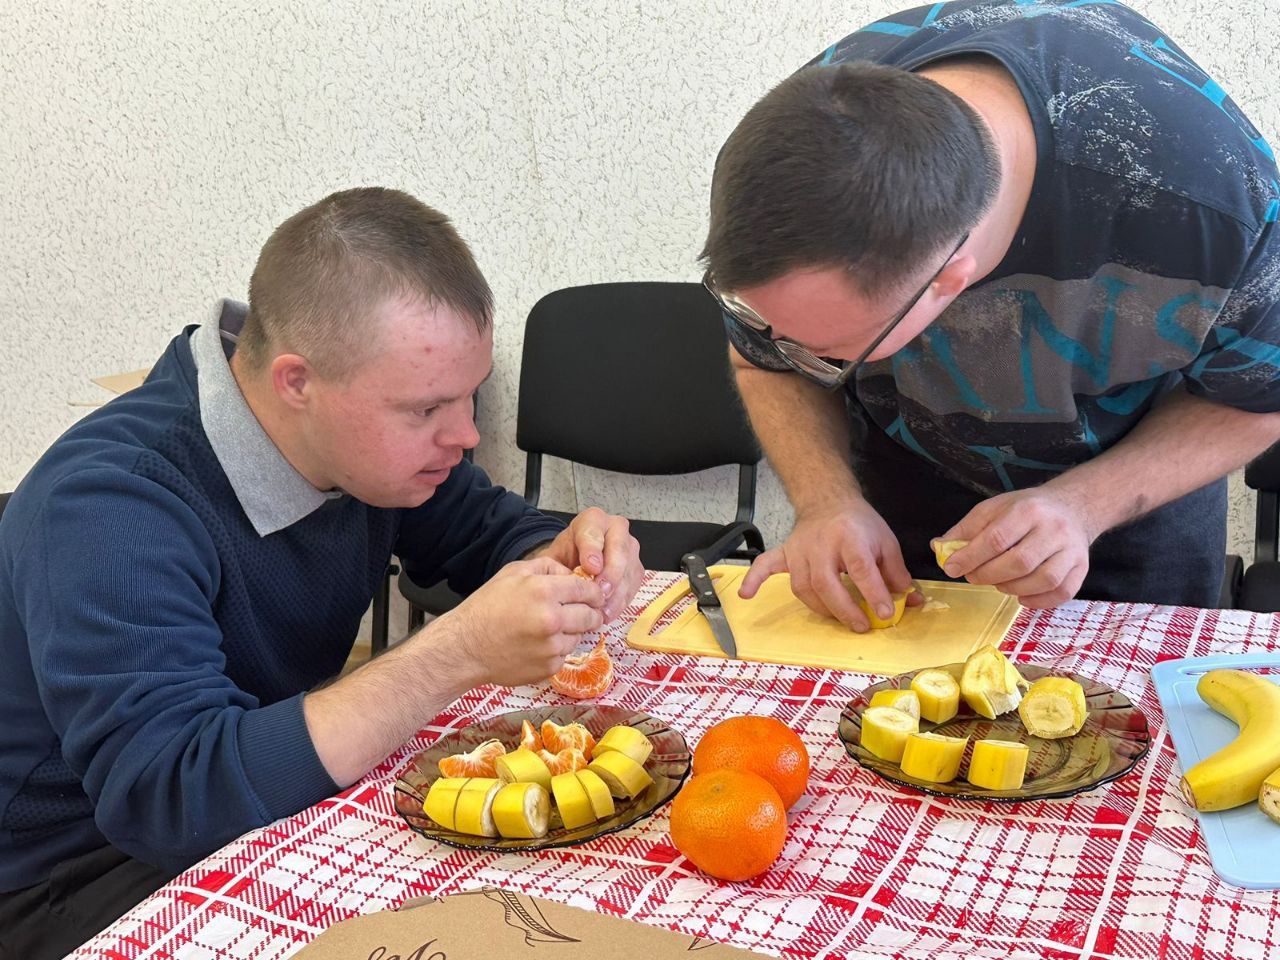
[
  {"x": 858, "y": 165},
  {"x": 325, "y": 270}
]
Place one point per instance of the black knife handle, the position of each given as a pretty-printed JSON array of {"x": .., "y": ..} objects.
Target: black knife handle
[{"x": 704, "y": 589}]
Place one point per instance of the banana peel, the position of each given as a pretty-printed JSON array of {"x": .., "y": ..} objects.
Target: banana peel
[{"x": 943, "y": 549}]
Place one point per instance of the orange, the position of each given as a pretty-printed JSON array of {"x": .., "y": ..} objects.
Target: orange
[
  {"x": 478, "y": 763},
  {"x": 529, "y": 738},
  {"x": 730, "y": 823},
  {"x": 556, "y": 738},
  {"x": 586, "y": 675},
  {"x": 760, "y": 745},
  {"x": 565, "y": 761}
]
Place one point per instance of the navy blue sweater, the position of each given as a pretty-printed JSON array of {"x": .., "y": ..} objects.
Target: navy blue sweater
[{"x": 155, "y": 649}]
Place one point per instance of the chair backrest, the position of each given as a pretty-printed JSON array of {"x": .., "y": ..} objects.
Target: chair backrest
[
  {"x": 633, "y": 378},
  {"x": 4, "y": 501},
  {"x": 1263, "y": 475}
]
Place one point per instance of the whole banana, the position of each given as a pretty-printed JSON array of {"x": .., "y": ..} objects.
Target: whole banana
[{"x": 1234, "y": 775}]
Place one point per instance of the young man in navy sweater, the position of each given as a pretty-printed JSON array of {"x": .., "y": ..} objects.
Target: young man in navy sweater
[{"x": 182, "y": 569}]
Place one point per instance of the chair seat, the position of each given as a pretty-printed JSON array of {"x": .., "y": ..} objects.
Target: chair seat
[{"x": 1260, "y": 591}]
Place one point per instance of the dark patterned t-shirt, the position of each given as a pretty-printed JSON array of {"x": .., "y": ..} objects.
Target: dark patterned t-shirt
[{"x": 1149, "y": 254}]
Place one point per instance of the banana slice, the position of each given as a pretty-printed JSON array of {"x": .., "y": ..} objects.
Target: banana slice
[
  {"x": 1053, "y": 708},
  {"x": 885, "y": 731},
  {"x": 943, "y": 549},
  {"x": 474, "y": 813},
  {"x": 990, "y": 684},
  {"x": 998, "y": 764},
  {"x": 938, "y": 694},
  {"x": 933, "y": 757},
  {"x": 572, "y": 801},
  {"x": 1269, "y": 796},
  {"x": 523, "y": 766},
  {"x": 597, "y": 793},
  {"x": 1236, "y": 774},
  {"x": 623, "y": 776},
  {"x": 904, "y": 700},
  {"x": 522, "y": 810},
  {"x": 442, "y": 800},
  {"x": 899, "y": 608},
  {"x": 625, "y": 740}
]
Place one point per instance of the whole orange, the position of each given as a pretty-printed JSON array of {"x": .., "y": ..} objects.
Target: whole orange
[
  {"x": 730, "y": 823},
  {"x": 760, "y": 745}
]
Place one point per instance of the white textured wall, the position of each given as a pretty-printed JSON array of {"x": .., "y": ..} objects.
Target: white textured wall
[{"x": 148, "y": 149}]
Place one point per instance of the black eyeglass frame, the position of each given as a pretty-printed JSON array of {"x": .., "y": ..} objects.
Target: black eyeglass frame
[{"x": 799, "y": 357}]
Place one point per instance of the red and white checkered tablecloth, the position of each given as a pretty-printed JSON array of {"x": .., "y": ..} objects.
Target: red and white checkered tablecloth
[{"x": 869, "y": 869}]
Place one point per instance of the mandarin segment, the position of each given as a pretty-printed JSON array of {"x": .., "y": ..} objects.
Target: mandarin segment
[
  {"x": 479, "y": 762},
  {"x": 556, "y": 738},
  {"x": 585, "y": 675}
]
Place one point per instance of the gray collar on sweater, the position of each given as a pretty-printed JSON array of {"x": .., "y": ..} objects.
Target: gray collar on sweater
[{"x": 271, "y": 492}]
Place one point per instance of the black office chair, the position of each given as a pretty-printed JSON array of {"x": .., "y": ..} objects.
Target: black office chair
[
  {"x": 1260, "y": 586},
  {"x": 632, "y": 378}
]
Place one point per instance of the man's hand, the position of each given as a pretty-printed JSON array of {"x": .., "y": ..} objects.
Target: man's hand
[
  {"x": 603, "y": 546},
  {"x": 848, "y": 537},
  {"x": 520, "y": 625},
  {"x": 1032, "y": 544}
]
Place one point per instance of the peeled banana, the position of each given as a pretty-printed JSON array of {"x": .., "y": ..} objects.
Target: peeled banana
[
  {"x": 938, "y": 695},
  {"x": 933, "y": 757},
  {"x": 1269, "y": 796},
  {"x": 998, "y": 764},
  {"x": 1238, "y": 772},
  {"x": 990, "y": 684},
  {"x": 885, "y": 731},
  {"x": 1053, "y": 708},
  {"x": 905, "y": 700}
]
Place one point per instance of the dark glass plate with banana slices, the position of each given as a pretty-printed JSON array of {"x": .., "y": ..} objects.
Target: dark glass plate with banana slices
[
  {"x": 637, "y": 765},
  {"x": 948, "y": 760}
]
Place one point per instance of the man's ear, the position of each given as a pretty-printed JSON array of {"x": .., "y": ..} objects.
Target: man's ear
[
  {"x": 292, "y": 379},
  {"x": 955, "y": 277}
]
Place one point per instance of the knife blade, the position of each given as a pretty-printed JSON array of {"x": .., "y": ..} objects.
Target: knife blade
[{"x": 704, "y": 592}]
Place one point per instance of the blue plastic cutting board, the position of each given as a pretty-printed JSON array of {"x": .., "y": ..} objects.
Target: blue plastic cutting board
[{"x": 1244, "y": 843}]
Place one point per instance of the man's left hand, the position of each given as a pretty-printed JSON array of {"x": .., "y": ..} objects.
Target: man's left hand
[
  {"x": 602, "y": 545},
  {"x": 1032, "y": 544}
]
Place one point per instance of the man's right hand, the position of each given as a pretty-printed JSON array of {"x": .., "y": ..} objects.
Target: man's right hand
[
  {"x": 844, "y": 537},
  {"x": 519, "y": 627}
]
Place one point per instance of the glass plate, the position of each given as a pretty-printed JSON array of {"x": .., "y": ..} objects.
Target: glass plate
[
  {"x": 1113, "y": 739},
  {"x": 668, "y": 765}
]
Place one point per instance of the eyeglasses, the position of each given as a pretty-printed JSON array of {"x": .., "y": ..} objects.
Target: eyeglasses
[{"x": 799, "y": 357}]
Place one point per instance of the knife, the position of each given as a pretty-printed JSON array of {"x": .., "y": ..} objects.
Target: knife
[{"x": 704, "y": 591}]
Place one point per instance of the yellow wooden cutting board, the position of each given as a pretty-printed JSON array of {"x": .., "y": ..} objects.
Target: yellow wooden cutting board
[{"x": 775, "y": 627}]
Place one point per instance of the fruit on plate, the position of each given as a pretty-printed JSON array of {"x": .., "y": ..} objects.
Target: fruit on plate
[
  {"x": 623, "y": 776},
  {"x": 442, "y": 800},
  {"x": 476, "y": 763},
  {"x": 585, "y": 675},
  {"x": 990, "y": 684},
  {"x": 885, "y": 731},
  {"x": 474, "y": 812},
  {"x": 908, "y": 701},
  {"x": 943, "y": 549},
  {"x": 1235, "y": 774},
  {"x": 764, "y": 746},
  {"x": 566, "y": 761},
  {"x": 572, "y": 801},
  {"x": 556, "y": 738},
  {"x": 1269, "y": 796},
  {"x": 730, "y": 823},
  {"x": 529, "y": 737},
  {"x": 933, "y": 757},
  {"x": 1053, "y": 708},
  {"x": 938, "y": 695},
  {"x": 598, "y": 794},
  {"x": 522, "y": 810},
  {"x": 523, "y": 766},
  {"x": 998, "y": 764},
  {"x": 625, "y": 740}
]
